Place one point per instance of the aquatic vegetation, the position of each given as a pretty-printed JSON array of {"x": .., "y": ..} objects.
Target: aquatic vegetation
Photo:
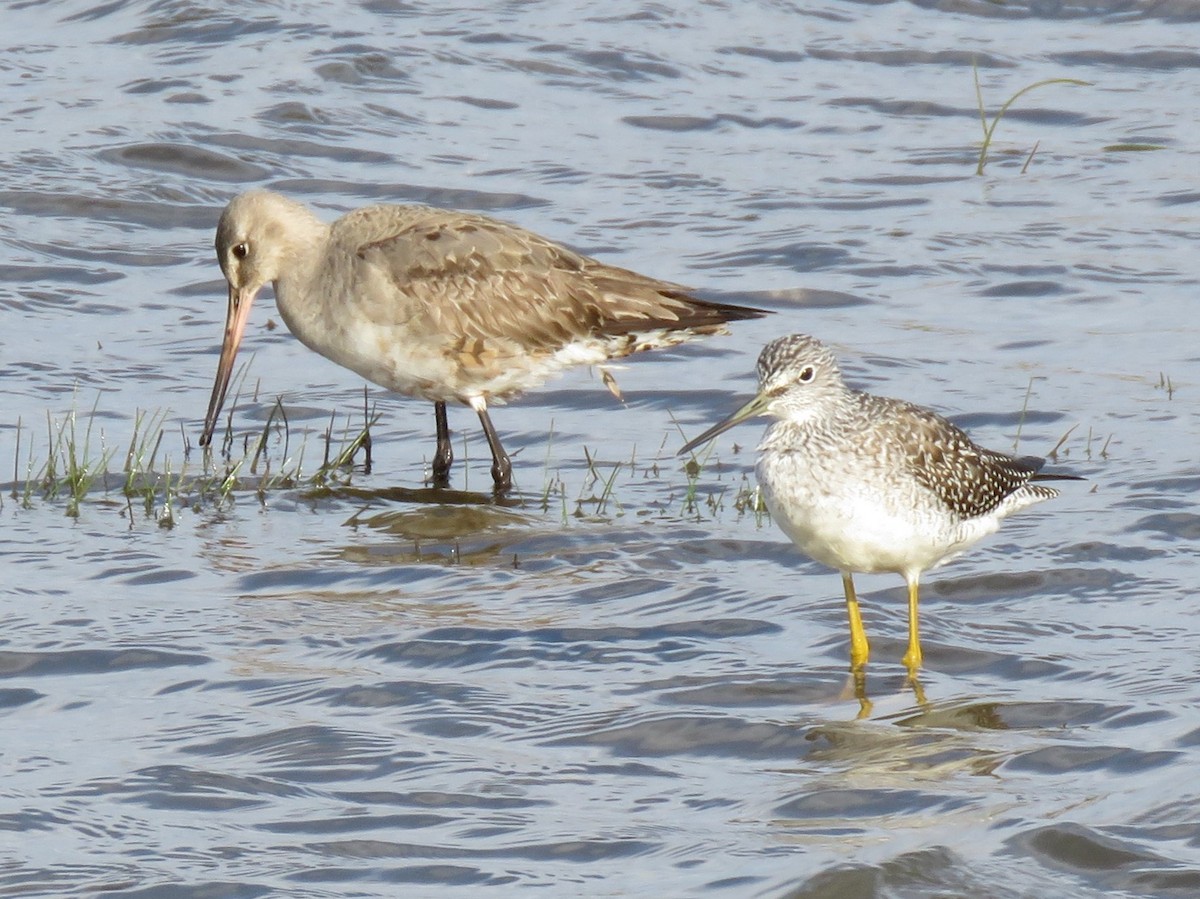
[
  {"x": 1061, "y": 449},
  {"x": 989, "y": 129},
  {"x": 1133, "y": 148},
  {"x": 72, "y": 466},
  {"x": 596, "y": 478},
  {"x": 1103, "y": 451},
  {"x": 698, "y": 500},
  {"x": 159, "y": 479},
  {"x": 1164, "y": 383}
]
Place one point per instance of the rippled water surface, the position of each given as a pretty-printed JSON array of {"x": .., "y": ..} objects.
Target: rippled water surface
[{"x": 623, "y": 683}]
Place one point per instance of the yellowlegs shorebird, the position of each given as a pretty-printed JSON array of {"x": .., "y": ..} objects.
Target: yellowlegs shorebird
[{"x": 866, "y": 483}]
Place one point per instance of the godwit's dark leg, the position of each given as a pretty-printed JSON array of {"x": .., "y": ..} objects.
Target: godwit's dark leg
[
  {"x": 501, "y": 464},
  {"x": 443, "y": 457}
]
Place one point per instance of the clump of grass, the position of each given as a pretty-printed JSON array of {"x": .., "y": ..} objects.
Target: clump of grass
[
  {"x": 989, "y": 128},
  {"x": 553, "y": 487},
  {"x": 692, "y": 468},
  {"x": 267, "y": 463},
  {"x": 697, "y": 499},
  {"x": 1164, "y": 383},
  {"x": 351, "y": 443},
  {"x": 79, "y": 467},
  {"x": 596, "y": 478},
  {"x": 70, "y": 468},
  {"x": 749, "y": 500},
  {"x": 1021, "y": 417},
  {"x": 141, "y": 479},
  {"x": 74, "y": 465},
  {"x": 1053, "y": 454},
  {"x": 153, "y": 484},
  {"x": 166, "y": 513},
  {"x": 139, "y": 458},
  {"x": 1103, "y": 451},
  {"x": 701, "y": 500},
  {"x": 1059, "y": 447}
]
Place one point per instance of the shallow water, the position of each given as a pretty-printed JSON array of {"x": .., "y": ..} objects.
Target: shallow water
[{"x": 366, "y": 692}]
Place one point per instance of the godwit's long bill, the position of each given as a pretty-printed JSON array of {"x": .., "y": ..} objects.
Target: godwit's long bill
[{"x": 441, "y": 305}]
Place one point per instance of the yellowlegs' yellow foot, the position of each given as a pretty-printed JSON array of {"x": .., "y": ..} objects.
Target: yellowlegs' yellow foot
[
  {"x": 866, "y": 483},
  {"x": 441, "y": 305}
]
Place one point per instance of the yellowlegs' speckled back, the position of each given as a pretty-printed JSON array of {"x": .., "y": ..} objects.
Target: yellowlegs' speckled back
[
  {"x": 442, "y": 305},
  {"x": 866, "y": 483}
]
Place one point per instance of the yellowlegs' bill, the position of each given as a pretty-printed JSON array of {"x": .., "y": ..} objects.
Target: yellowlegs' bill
[
  {"x": 441, "y": 305},
  {"x": 866, "y": 483}
]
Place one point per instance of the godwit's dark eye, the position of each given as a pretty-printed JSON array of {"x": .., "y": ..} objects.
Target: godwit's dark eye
[
  {"x": 807, "y": 373},
  {"x": 241, "y": 250}
]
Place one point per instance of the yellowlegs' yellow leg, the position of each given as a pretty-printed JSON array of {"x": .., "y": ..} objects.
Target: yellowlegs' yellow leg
[
  {"x": 918, "y": 691},
  {"x": 856, "y": 688},
  {"x": 859, "y": 650},
  {"x": 912, "y": 658},
  {"x": 860, "y": 693}
]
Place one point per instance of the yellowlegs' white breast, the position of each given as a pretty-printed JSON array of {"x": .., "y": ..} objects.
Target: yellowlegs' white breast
[
  {"x": 866, "y": 483},
  {"x": 442, "y": 305}
]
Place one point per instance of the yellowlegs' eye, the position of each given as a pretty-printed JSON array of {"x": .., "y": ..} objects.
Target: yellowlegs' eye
[
  {"x": 807, "y": 373},
  {"x": 241, "y": 250}
]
